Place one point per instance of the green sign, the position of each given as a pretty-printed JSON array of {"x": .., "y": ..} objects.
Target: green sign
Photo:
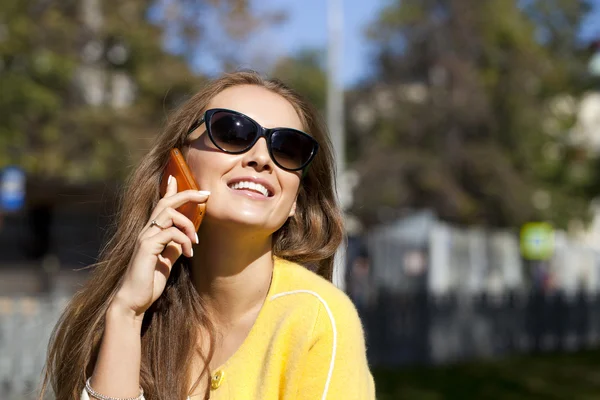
[{"x": 537, "y": 241}]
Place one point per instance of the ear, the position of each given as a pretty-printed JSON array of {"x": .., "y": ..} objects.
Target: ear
[{"x": 293, "y": 210}]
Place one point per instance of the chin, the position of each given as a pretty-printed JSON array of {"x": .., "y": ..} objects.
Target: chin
[{"x": 246, "y": 222}]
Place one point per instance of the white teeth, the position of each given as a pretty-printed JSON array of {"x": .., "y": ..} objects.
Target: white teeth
[{"x": 252, "y": 186}]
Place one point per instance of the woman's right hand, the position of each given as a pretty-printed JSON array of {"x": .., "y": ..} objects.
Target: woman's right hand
[{"x": 157, "y": 250}]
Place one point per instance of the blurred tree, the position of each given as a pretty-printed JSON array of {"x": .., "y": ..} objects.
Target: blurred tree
[
  {"x": 470, "y": 113},
  {"x": 306, "y": 73},
  {"x": 85, "y": 85}
]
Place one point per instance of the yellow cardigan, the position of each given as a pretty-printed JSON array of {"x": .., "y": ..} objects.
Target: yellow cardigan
[{"x": 307, "y": 344}]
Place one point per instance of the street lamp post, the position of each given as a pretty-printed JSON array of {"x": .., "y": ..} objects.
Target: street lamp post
[
  {"x": 594, "y": 63},
  {"x": 335, "y": 117}
]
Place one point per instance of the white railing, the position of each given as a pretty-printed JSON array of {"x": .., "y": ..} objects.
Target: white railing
[{"x": 25, "y": 327}]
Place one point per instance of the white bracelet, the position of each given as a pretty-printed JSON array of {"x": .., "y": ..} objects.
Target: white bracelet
[{"x": 99, "y": 396}]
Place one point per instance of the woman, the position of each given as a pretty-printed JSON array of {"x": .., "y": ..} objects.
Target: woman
[{"x": 241, "y": 309}]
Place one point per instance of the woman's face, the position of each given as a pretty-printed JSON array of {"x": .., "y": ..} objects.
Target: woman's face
[{"x": 223, "y": 173}]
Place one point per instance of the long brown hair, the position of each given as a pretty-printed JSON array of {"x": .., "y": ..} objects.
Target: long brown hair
[{"x": 169, "y": 333}]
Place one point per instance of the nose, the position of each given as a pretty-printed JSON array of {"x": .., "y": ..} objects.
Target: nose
[{"x": 258, "y": 157}]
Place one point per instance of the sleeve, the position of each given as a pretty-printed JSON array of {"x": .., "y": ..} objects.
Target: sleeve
[{"x": 335, "y": 366}]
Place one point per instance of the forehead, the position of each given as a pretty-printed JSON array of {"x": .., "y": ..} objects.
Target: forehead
[{"x": 265, "y": 107}]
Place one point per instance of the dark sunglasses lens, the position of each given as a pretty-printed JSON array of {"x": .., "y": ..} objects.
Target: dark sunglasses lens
[
  {"x": 291, "y": 149},
  {"x": 232, "y": 132}
]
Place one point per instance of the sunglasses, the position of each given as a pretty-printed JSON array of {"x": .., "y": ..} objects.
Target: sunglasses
[{"x": 235, "y": 133}]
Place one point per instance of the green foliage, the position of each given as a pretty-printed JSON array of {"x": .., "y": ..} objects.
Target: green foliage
[
  {"x": 305, "y": 73},
  {"x": 83, "y": 97},
  {"x": 469, "y": 113}
]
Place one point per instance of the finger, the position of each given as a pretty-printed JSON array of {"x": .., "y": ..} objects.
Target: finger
[
  {"x": 171, "y": 186},
  {"x": 171, "y": 252},
  {"x": 156, "y": 244},
  {"x": 168, "y": 257},
  {"x": 170, "y": 217},
  {"x": 179, "y": 199}
]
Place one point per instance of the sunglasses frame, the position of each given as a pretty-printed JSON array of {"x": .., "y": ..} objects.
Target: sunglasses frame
[{"x": 261, "y": 132}]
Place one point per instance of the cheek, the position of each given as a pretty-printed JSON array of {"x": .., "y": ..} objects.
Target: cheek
[
  {"x": 290, "y": 186},
  {"x": 206, "y": 166},
  {"x": 197, "y": 167}
]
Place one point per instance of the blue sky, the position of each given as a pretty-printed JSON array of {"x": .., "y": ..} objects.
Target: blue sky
[
  {"x": 306, "y": 27},
  {"x": 591, "y": 26}
]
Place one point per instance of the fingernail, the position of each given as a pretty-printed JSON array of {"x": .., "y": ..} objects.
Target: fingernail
[
  {"x": 192, "y": 253},
  {"x": 197, "y": 241},
  {"x": 169, "y": 180},
  {"x": 203, "y": 192}
]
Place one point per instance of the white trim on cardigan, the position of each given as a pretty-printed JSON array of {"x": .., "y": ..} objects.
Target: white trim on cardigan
[{"x": 333, "y": 327}]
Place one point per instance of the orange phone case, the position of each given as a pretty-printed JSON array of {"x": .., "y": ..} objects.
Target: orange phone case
[{"x": 178, "y": 168}]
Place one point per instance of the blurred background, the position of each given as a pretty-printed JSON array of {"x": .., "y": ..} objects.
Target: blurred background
[{"x": 468, "y": 141}]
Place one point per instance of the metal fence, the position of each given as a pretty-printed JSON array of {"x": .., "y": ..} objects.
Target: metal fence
[
  {"x": 440, "y": 294},
  {"x": 421, "y": 254},
  {"x": 406, "y": 329},
  {"x": 428, "y": 293},
  {"x": 25, "y": 327},
  {"x": 401, "y": 329}
]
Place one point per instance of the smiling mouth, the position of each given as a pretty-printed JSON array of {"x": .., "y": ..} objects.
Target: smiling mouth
[{"x": 252, "y": 186}]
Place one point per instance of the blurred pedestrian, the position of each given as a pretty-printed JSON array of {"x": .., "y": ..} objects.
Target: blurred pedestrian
[
  {"x": 360, "y": 282},
  {"x": 232, "y": 311}
]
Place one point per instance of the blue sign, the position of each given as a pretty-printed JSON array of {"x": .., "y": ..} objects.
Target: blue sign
[{"x": 12, "y": 189}]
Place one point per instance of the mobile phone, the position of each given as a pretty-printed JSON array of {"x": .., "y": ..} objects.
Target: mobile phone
[{"x": 178, "y": 168}]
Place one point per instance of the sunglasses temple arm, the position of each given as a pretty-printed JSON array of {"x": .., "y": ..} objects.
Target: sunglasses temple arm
[
  {"x": 305, "y": 170},
  {"x": 196, "y": 125}
]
